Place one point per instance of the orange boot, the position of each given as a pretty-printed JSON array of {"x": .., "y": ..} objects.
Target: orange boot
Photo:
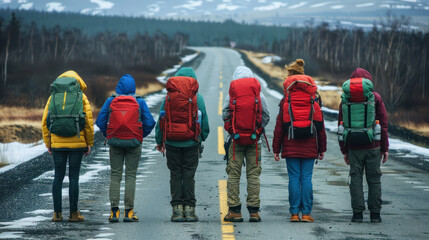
[
  {"x": 307, "y": 218},
  {"x": 294, "y": 218}
]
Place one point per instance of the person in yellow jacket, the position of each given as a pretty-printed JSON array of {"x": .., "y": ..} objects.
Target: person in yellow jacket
[{"x": 71, "y": 147}]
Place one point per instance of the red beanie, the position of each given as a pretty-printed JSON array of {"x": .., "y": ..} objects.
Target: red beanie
[{"x": 361, "y": 73}]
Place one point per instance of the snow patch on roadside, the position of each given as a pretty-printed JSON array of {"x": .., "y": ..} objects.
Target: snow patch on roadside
[
  {"x": 11, "y": 235},
  {"x": 16, "y": 153},
  {"x": 185, "y": 59},
  {"x": 23, "y": 223}
]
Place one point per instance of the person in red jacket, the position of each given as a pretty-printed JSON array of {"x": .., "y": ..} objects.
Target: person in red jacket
[
  {"x": 300, "y": 153},
  {"x": 366, "y": 157}
]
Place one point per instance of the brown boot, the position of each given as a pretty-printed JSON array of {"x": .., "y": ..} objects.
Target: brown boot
[
  {"x": 254, "y": 214},
  {"x": 57, "y": 217},
  {"x": 233, "y": 217},
  {"x": 294, "y": 218},
  {"x": 307, "y": 218},
  {"x": 76, "y": 217}
]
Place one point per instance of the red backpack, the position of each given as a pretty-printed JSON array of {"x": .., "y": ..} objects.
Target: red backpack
[
  {"x": 301, "y": 110},
  {"x": 181, "y": 110},
  {"x": 124, "y": 127},
  {"x": 245, "y": 124}
]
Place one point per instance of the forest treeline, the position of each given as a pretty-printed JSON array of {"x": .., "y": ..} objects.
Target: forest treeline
[
  {"x": 398, "y": 60},
  {"x": 31, "y": 57},
  {"x": 397, "y": 57},
  {"x": 202, "y": 32}
]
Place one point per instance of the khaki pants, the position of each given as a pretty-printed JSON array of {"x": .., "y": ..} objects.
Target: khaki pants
[
  {"x": 131, "y": 157},
  {"x": 253, "y": 171},
  {"x": 368, "y": 160}
]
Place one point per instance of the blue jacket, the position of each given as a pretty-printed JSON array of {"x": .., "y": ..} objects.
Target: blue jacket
[{"x": 126, "y": 86}]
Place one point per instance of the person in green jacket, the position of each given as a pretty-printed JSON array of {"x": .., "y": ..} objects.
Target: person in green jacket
[{"x": 182, "y": 161}]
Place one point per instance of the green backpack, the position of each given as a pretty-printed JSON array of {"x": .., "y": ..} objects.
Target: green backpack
[
  {"x": 66, "y": 117},
  {"x": 358, "y": 109}
]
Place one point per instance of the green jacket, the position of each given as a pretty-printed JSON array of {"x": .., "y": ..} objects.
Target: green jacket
[{"x": 205, "y": 130}]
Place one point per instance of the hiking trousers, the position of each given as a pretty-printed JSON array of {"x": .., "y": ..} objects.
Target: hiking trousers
[
  {"x": 131, "y": 158},
  {"x": 368, "y": 161},
  {"x": 253, "y": 171},
  {"x": 60, "y": 163},
  {"x": 183, "y": 163}
]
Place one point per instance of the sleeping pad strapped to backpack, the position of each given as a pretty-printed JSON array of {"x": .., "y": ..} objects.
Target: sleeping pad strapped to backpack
[
  {"x": 124, "y": 127},
  {"x": 181, "y": 110},
  {"x": 66, "y": 117},
  {"x": 358, "y": 108},
  {"x": 301, "y": 111}
]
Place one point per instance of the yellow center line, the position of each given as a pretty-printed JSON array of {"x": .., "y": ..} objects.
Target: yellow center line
[
  {"x": 220, "y": 77},
  {"x": 227, "y": 227},
  {"x": 219, "y": 109},
  {"x": 221, "y": 84},
  {"x": 220, "y": 139}
]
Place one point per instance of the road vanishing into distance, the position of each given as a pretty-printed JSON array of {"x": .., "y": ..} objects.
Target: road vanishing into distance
[{"x": 27, "y": 207}]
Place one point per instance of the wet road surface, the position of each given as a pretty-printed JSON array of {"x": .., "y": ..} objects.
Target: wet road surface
[{"x": 28, "y": 206}]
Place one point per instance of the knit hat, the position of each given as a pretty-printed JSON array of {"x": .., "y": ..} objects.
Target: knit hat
[
  {"x": 361, "y": 73},
  {"x": 296, "y": 67}
]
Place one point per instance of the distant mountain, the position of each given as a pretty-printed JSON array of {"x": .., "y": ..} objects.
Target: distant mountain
[{"x": 344, "y": 12}]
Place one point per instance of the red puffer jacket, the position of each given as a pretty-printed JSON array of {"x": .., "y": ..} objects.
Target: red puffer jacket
[{"x": 299, "y": 147}]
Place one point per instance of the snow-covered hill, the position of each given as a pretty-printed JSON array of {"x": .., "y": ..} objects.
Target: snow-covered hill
[{"x": 346, "y": 12}]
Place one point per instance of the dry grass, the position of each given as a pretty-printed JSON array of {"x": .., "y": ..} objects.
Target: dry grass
[
  {"x": 331, "y": 99},
  {"x": 149, "y": 88},
  {"x": 269, "y": 68}
]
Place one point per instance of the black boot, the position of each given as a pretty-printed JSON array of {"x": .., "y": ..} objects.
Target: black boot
[
  {"x": 357, "y": 217},
  {"x": 375, "y": 217},
  {"x": 254, "y": 214}
]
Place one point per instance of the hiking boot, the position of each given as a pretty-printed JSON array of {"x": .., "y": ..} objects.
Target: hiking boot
[
  {"x": 307, "y": 218},
  {"x": 234, "y": 215},
  {"x": 57, "y": 217},
  {"x": 190, "y": 214},
  {"x": 357, "y": 217},
  {"x": 254, "y": 214},
  {"x": 114, "y": 215},
  {"x": 76, "y": 217},
  {"x": 129, "y": 216},
  {"x": 294, "y": 218},
  {"x": 375, "y": 217},
  {"x": 177, "y": 214}
]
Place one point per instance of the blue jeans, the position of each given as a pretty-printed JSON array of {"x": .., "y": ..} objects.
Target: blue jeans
[
  {"x": 60, "y": 162},
  {"x": 300, "y": 171}
]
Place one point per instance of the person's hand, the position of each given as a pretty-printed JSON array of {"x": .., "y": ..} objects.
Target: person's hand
[
  {"x": 87, "y": 151},
  {"x": 321, "y": 155},
  {"x": 277, "y": 157},
  {"x": 49, "y": 150},
  {"x": 159, "y": 148},
  {"x": 384, "y": 156},
  {"x": 346, "y": 159}
]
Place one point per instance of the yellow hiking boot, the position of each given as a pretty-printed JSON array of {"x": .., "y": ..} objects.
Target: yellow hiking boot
[
  {"x": 114, "y": 215},
  {"x": 76, "y": 217},
  {"x": 57, "y": 217},
  {"x": 130, "y": 216}
]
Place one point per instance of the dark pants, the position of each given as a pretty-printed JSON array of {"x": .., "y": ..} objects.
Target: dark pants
[
  {"x": 60, "y": 162},
  {"x": 182, "y": 162},
  {"x": 368, "y": 161}
]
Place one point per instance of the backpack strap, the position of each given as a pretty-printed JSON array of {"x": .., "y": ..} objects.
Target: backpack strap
[
  {"x": 291, "y": 132},
  {"x": 311, "y": 115},
  {"x": 349, "y": 115},
  {"x": 366, "y": 117}
]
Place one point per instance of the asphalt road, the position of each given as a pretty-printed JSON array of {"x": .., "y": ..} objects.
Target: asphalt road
[{"x": 405, "y": 213}]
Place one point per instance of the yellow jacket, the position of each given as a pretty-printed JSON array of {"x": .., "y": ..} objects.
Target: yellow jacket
[{"x": 86, "y": 135}]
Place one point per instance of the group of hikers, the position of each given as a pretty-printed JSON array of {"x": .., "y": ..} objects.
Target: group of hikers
[{"x": 299, "y": 137}]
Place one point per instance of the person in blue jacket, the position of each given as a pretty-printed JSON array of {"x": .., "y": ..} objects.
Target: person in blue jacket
[{"x": 129, "y": 155}]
